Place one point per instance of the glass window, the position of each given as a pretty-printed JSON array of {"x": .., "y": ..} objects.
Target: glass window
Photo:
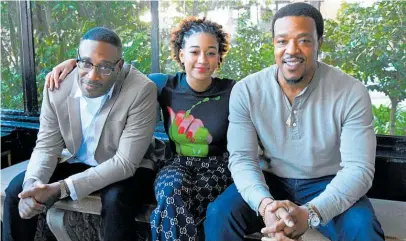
[
  {"x": 366, "y": 40},
  {"x": 11, "y": 79},
  {"x": 58, "y": 27}
]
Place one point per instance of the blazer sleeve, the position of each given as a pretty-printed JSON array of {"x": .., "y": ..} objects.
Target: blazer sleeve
[
  {"x": 49, "y": 145},
  {"x": 133, "y": 144}
]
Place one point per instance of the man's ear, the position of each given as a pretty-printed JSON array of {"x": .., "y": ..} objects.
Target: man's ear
[
  {"x": 120, "y": 64},
  {"x": 320, "y": 42}
]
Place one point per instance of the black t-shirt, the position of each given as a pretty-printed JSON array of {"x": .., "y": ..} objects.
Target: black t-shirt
[{"x": 196, "y": 122}]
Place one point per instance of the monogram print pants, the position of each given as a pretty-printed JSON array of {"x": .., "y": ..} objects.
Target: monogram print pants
[{"x": 184, "y": 188}]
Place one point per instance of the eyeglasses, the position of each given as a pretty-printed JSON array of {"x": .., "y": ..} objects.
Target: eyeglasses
[{"x": 101, "y": 69}]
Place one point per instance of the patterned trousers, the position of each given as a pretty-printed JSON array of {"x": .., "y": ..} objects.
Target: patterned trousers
[{"x": 184, "y": 188}]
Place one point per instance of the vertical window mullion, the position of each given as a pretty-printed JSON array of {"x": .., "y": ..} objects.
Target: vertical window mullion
[
  {"x": 155, "y": 37},
  {"x": 28, "y": 59}
]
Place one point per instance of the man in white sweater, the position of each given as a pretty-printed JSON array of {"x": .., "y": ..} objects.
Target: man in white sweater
[{"x": 315, "y": 126}]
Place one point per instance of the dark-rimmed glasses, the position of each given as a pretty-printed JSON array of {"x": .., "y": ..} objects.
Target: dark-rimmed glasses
[{"x": 101, "y": 69}]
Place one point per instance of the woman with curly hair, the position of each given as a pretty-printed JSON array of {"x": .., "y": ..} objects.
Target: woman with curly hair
[{"x": 195, "y": 111}]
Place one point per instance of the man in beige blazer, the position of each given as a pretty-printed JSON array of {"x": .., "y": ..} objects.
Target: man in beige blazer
[{"x": 104, "y": 115}]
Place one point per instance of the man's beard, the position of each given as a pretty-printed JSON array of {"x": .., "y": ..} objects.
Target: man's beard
[{"x": 293, "y": 81}]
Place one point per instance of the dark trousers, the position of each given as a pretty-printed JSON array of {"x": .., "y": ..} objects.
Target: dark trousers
[
  {"x": 120, "y": 203},
  {"x": 229, "y": 217}
]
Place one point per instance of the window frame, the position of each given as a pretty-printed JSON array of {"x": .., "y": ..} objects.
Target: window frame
[{"x": 28, "y": 60}]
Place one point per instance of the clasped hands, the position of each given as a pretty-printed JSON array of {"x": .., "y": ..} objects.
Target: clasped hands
[
  {"x": 36, "y": 197},
  {"x": 284, "y": 221}
]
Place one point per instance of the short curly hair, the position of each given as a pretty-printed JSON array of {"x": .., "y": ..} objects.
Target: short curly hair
[{"x": 192, "y": 25}]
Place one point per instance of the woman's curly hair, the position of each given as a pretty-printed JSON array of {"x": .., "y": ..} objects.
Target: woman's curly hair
[{"x": 191, "y": 25}]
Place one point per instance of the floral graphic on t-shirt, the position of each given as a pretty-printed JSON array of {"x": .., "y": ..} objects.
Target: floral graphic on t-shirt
[{"x": 190, "y": 135}]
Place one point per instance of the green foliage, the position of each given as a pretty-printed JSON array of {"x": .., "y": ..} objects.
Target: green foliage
[
  {"x": 382, "y": 120},
  {"x": 369, "y": 43},
  {"x": 58, "y": 27},
  {"x": 10, "y": 57},
  {"x": 251, "y": 50}
]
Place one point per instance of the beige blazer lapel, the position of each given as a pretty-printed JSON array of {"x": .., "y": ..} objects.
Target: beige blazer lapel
[
  {"x": 74, "y": 116},
  {"x": 104, "y": 112}
]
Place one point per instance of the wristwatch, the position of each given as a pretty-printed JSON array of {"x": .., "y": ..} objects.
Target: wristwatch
[
  {"x": 313, "y": 220},
  {"x": 64, "y": 189}
]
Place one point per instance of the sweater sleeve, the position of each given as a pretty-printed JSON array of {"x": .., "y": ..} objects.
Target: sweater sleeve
[
  {"x": 243, "y": 148},
  {"x": 357, "y": 148}
]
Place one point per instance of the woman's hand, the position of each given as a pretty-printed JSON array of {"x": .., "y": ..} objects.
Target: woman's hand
[{"x": 59, "y": 73}]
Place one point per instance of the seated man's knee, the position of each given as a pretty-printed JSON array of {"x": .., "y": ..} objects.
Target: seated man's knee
[
  {"x": 228, "y": 217},
  {"x": 217, "y": 209},
  {"x": 360, "y": 221},
  {"x": 15, "y": 186},
  {"x": 218, "y": 218},
  {"x": 113, "y": 197},
  {"x": 226, "y": 206},
  {"x": 360, "y": 214}
]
